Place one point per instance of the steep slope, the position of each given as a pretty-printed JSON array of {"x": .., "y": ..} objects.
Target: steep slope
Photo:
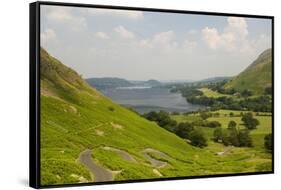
[
  {"x": 256, "y": 77},
  {"x": 76, "y": 117}
]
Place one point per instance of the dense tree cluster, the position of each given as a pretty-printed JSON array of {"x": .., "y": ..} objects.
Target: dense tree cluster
[
  {"x": 162, "y": 118},
  {"x": 232, "y": 136},
  {"x": 257, "y": 104},
  {"x": 184, "y": 130}
]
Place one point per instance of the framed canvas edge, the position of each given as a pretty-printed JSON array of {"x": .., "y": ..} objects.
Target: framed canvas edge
[{"x": 34, "y": 93}]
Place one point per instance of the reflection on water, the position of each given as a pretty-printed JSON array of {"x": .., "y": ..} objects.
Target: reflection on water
[{"x": 150, "y": 99}]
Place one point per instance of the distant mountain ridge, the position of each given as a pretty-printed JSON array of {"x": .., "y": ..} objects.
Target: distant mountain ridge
[
  {"x": 256, "y": 77},
  {"x": 108, "y": 82},
  {"x": 114, "y": 82}
]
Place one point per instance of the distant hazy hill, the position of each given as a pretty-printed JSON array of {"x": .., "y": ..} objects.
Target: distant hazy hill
[
  {"x": 152, "y": 83},
  {"x": 76, "y": 117},
  {"x": 107, "y": 82},
  {"x": 213, "y": 80},
  {"x": 256, "y": 77}
]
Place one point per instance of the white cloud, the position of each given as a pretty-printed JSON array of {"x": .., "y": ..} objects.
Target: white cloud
[
  {"x": 132, "y": 15},
  {"x": 211, "y": 37},
  {"x": 238, "y": 26},
  {"x": 124, "y": 33},
  {"x": 47, "y": 36},
  {"x": 233, "y": 37},
  {"x": 161, "y": 40},
  {"x": 102, "y": 35},
  {"x": 188, "y": 44},
  {"x": 63, "y": 15}
]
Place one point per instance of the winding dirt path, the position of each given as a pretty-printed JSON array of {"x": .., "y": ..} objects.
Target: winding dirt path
[
  {"x": 100, "y": 173},
  {"x": 154, "y": 162}
]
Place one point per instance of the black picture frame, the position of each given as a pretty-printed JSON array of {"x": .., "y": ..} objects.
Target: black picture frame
[{"x": 34, "y": 91}]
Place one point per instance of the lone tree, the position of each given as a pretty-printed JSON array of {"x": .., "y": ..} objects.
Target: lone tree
[
  {"x": 233, "y": 136},
  {"x": 268, "y": 142},
  {"x": 198, "y": 138},
  {"x": 232, "y": 124},
  {"x": 183, "y": 130},
  {"x": 218, "y": 134},
  {"x": 249, "y": 121},
  {"x": 204, "y": 115},
  {"x": 245, "y": 138}
]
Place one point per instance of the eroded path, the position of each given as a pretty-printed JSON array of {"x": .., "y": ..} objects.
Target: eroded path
[
  {"x": 154, "y": 162},
  {"x": 100, "y": 173}
]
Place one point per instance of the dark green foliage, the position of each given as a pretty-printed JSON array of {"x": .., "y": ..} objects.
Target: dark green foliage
[
  {"x": 246, "y": 93},
  {"x": 205, "y": 115},
  {"x": 218, "y": 134},
  {"x": 245, "y": 139},
  {"x": 268, "y": 142},
  {"x": 268, "y": 90},
  {"x": 213, "y": 124},
  {"x": 110, "y": 108},
  {"x": 198, "y": 138},
  {"x": 183, "y": 130},
  {"x": 232, "y": 124},
  {"x": 162, "y": 118},
  {"x": 231, "y": 136},
  {"x": 249, "y": 121}
]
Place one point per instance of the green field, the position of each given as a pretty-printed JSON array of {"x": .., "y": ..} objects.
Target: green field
[
  {"x": 255, "y": 156},
  {"x": 212, "y": 94}
]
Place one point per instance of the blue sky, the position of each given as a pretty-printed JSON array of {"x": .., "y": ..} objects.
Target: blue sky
[{"x": 140, "y": 45}]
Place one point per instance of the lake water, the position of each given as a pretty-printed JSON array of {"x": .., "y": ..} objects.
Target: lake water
[{"x": 145, "y": 99}]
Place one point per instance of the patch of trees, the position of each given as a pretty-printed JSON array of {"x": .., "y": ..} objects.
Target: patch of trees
[
  {"x": 196, "y": 136},
  {"x": 246, "y": 93},
  {"x": 184, "y": 130},
  {"x": 258, "y": 104},
  {"x": 162, "y": 118},
  {"x": 233, "y": 136},
  {"x": 268, "y": 142},
  {"x": 249, "y": 121}
]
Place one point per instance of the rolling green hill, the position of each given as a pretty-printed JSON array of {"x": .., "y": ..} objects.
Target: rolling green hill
[
  {"x": 256, "y": 77},
  {"x": 76, "y": 120}
]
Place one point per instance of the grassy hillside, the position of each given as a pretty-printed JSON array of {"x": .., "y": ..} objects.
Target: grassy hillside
[
  {"x": 76, "y": 117},
  {"x": 256, "y": 77}
]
